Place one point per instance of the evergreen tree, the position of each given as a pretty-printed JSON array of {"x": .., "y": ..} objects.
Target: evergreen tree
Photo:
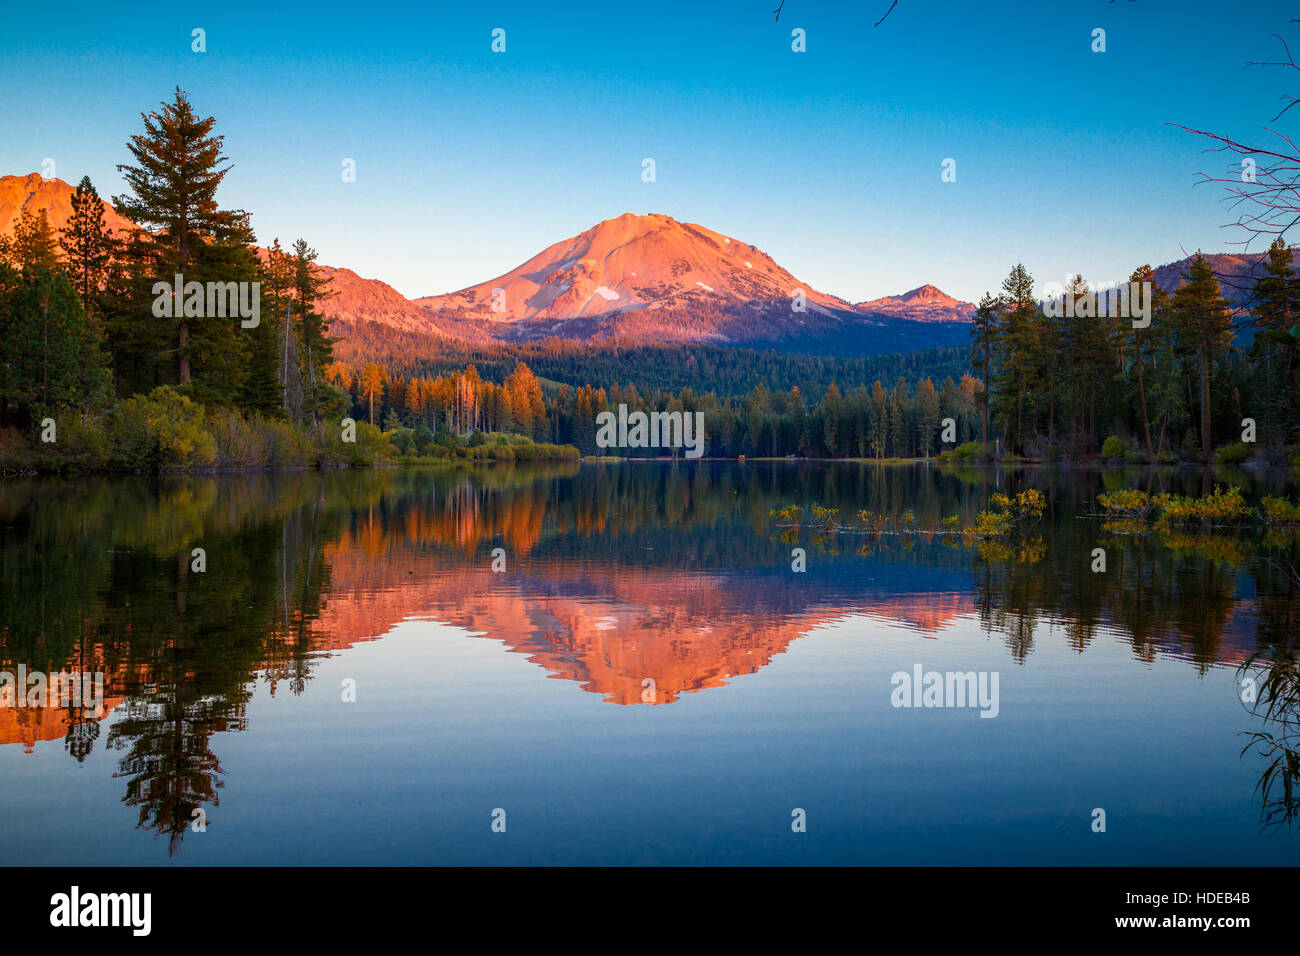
[
  {"x": 33, "y": 242},
  {"x": 173, "y": 197},
  {"x": 49, "y": 355},
  {"x": 1017, "y": 353},
  {"x": 1202, "y": 315},
  {"x": 87, "y": 244},
  {"x": 984, "y": 330},
  {"x": 316, "y": 348},
  {"x": 927, "y": 416}
]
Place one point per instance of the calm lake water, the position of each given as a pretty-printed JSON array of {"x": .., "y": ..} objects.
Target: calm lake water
[{"x": 349, "y": 681}]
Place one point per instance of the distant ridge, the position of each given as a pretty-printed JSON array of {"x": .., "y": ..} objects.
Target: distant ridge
[{"x": 639, "y": 280}]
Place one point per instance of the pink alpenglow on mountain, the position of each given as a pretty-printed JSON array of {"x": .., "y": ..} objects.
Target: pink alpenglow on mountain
[
  {"x": 34, "y": 192},
  {"x": 925, "y": 304},
  {"x": 636, "y": 279},
  {"x": 627, "y": 263}
]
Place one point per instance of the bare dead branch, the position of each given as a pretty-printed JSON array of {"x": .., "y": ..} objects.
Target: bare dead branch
[{"x": 776, "y": 14}]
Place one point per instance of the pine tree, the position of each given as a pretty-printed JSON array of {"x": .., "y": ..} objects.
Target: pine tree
[
  {"x": 878, "y": 427},
  {"x": 50, "y": 357},
  {"x": 1017, "y": 353},
  {"x": 87, "y": 244},
  {"x": 316, "y": 348},
  {"x": 927, "y": 416},
  {"x": 1277, "y": 294},
  {"x": 173, "y": 196},
  {"x": 984, "y": 330},
  {"x": 1277, "y": 336},
  {"x": 1138, "y": 348},
  {"x": 32, "y": 244},
  {"x": 1202, "y": 315}
]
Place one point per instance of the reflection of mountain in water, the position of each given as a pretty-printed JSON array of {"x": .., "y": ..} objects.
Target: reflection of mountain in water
[{"x": 614, "y": 575}]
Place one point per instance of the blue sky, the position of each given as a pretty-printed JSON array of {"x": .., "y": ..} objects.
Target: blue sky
[{"x": 469, "y": 162}]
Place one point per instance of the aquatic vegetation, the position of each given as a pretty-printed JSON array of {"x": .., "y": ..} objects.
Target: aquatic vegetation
[
  {"x": 789, "y": 513},
  {"x": 825, "y": 519},
  {"x": 1124, "y": 526},
  {"x": 1273, "y": 677},
  {"x": 1280, "y": 511},
  {"x": 1027, "y": 552},
  {"x": 1218, "y": 507},
  {"x": 1128, "y": 503},
  {"x": 1210, "y": 546},
  {"x": 1008, "y": 515}
]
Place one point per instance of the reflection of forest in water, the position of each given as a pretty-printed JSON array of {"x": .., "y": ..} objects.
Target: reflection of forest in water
[{"x": 97, "y": 577}]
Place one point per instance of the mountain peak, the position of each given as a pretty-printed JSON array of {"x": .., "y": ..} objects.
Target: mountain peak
[
  {"x": 631, "y": 263},
  {"x": 927, "y": 293},
  {"x": 34, "y": 192}
]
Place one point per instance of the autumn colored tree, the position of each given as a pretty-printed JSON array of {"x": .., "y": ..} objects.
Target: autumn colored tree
[{"x": 373, "y": 378}]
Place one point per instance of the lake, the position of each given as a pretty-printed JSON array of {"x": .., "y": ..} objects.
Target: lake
[{"x": 618, "y": 663}]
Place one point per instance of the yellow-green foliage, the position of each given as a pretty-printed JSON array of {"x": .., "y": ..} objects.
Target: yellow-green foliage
[
  {"x": 788, "y": 513},
  {"x": 1128, "y": 503},
  {"x": 1280, "y": 511},
  {"x": 968, "y": 451},
  {"x": 1009, "y": 515},
  {"x": 1218, "y": 507},
  {"x": 872, "y": 522},
  {"x": 1207, "y": 545},
  {"x": 163, "y": 429}
]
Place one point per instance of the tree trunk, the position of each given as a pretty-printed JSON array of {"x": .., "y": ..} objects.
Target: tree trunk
[
  {"x": 1205, "y": 403},
  {"x": 1142, "y": 404},
  {"x": 183, "y": 368}
]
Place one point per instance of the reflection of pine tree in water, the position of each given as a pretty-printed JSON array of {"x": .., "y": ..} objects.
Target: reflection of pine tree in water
[
  {"x": 1161, "y": 595},
  {"x": 83, "y": 726},
  {"x": 186, "y": 648},
  {"x": 169, "y": 765},
  {"x": 192, "y": 644},
  {"x": 81, "y": 736}
]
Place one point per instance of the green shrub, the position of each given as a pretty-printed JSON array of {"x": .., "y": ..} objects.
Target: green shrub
[
  {"x": 1280, "y": 511},
  {"x": 164, "y": 430},
  {"x": 83, "y": 444},
  {"x": 1233, "y": 454},
  {"x": 972, "y": 451},
  {"x": 1115, "y": 447}
]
